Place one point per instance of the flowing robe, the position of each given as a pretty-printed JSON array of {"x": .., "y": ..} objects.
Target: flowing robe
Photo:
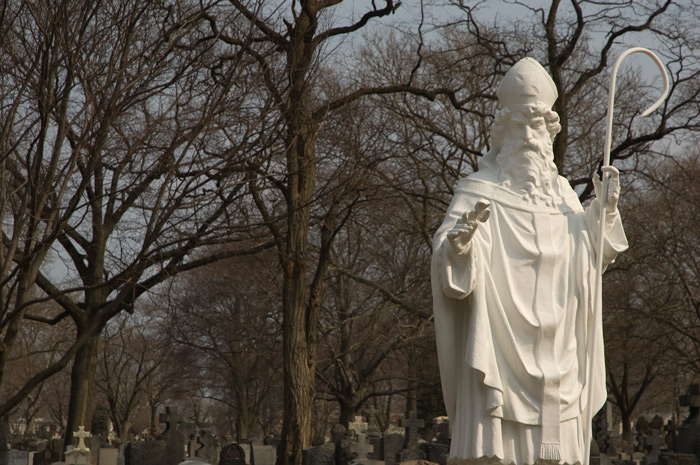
[{"x": 513, "y": 316}]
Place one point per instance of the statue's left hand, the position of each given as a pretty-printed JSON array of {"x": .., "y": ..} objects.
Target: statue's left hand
[{"x": 613, "y": 187}]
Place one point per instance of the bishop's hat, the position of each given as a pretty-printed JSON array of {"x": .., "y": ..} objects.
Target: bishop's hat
[{"x": 526, "y": 83}]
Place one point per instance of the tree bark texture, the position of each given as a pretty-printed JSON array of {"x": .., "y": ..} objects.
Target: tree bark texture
[
  {"x": 82, "y": 388},
  {"x": 299, "y": 332}
]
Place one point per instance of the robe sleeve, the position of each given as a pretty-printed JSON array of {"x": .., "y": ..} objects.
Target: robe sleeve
[
  {"x": 614, "y": 241},
  {"x": 457, "y": 271}
]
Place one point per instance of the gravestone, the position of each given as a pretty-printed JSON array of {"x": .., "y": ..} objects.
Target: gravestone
[
  {"x": 175, "y": 448},
  {"x": 97, "y": 442},
  {"x": 671, "y": 435},
  {"x": 374, "y": 437},
  {"x": 121, "y": 459},
  {"x": 392, "y": 445},
  {"x": 232, "y": 454},
  {"x": 207, "y": 447},
  {"x": 45, "y": 457},
  {"x": 412, "y": 450},
  {"x": 81, "y": 453},
  {"x": 145, "y": 452},
  {"x": 411, "y": 425},
  {"x": 265, "y": 454},
  {"x": 360, "y": 449},
  {"x": 675, "y": 458},
  {"x": 108, "y": 456},
  {"x": 17, "y": 457},
  {"x": 688, "y": 439},
  {"x": 654, "y": 442},
  {"x": 343, "y": 452},
  {"x": 319, "y": 455},
  {"x": 357, "y": 426},
  {"x": 436, "y": 452}
]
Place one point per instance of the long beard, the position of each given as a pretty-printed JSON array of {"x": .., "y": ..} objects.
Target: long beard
[{"x": 529, "y": 168}]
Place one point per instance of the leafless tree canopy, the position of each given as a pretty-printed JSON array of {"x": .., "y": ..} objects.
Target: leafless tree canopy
[{"x": 261, "y": 182}]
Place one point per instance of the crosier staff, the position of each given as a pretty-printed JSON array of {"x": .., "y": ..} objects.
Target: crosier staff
[{"x": 598, "y": 303}]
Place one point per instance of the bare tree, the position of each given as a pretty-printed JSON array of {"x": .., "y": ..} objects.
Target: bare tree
[
  {"x": 578, "y": 41},
  {"x": 125, "y": 142},
  {"x": 224, "y": 318},
  {"x": 131, "y": 354},
  {"x": 288, "y": 43}
]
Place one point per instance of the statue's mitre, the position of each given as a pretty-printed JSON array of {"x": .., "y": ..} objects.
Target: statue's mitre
[{"x": 525, "y": 83}]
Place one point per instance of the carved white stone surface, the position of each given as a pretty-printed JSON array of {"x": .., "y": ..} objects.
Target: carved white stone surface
[{"x": 513, "y": 273}]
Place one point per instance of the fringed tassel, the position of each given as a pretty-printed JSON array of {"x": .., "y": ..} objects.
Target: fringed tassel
[{"x": 550, "y": 451}]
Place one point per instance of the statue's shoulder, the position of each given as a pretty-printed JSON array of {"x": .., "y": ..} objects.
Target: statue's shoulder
[
  {"x": 568, "y": 194},
  {"x": 478, "y": 181},
  {"x": 484, "y": 184}
]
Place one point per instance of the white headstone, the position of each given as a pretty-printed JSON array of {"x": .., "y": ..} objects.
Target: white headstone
[
  {"x": 108, "y": 456},
  {"x": 18, "y": 457}
]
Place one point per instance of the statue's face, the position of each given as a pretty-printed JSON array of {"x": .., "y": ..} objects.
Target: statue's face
[
  {"x": 526, "y": 160},
  {"x": 527, "y": 130}
]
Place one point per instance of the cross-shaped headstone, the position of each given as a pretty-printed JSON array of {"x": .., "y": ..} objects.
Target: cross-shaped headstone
[
  {"x": 81, "y": 434},
  {"x": 170, "y": 418},
  {"x": 358, "y": 426},
  {"x": 411, "y": 424},
  {"x": 362, "y": 448}
]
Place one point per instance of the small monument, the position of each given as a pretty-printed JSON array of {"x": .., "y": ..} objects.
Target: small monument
[{"x": 81, "y": 453}]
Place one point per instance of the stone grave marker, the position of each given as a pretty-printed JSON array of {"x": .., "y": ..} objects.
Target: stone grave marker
[
  {"x": 175, "y": 448},
  {"x": 248, "y": 450},
  {"x": 81, "y": 453},
  {"x": 44, "y": 457},
  {"x": 674, "y": 458},
  {"x": 265, "y": 455},
  {"x": 654, "y": 442},
  {"x": 145, "y": 452},
  {"x": 441, "y": 430},
  {"x": 108, "y": 456},
  {"x": 319, "y": 455},
  {"x": 374, "y": 437},
  {"x": 360, "y": 449},
  {"x": 412, "y": 450},
  {"x": 209, "y": 448},
  {"x": 411, "y": 425},
  {"x": 232, "y": 454},
  {"x": 392, "y": 445},
  {"x": 357, "y": 426},
  {"x": 17, "y": 457},
  {"x": 688, "y": 439}
]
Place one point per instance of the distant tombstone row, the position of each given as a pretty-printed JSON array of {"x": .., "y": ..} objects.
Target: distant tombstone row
[
  {"x": 169, "y": 448},
  {"x": 361, "y": 445}
]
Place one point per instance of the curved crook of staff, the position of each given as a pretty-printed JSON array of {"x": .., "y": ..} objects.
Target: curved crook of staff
[
  {"x": 598, "y": 304},
  {"x": 608, "y": 139}
]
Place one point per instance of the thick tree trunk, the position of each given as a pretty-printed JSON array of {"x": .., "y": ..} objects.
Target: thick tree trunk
[
  {"x": 82, "y": 388},
  {"x": 299, "y": 322},
  {"x": 297, "y": 327},
  {"x": 347, "y": 413}
]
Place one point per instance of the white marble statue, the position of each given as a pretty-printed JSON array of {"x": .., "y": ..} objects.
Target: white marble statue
[{"x": 513, "y": 275}]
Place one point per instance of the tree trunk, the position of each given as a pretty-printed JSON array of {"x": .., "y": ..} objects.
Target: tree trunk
[
  {"x": 347, "y": 413},
  {"x": 299, "y": 331},
  {"x": 82, "y": 388},
  {"x": 300, "y": 317}
]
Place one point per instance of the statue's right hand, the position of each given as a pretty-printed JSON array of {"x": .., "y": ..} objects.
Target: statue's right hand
[{"x": 461, "y": 234}]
